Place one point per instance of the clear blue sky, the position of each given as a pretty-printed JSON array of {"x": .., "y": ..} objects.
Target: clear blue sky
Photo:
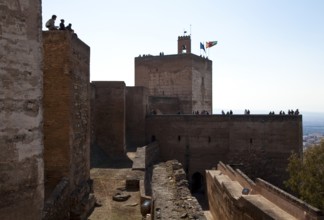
[{"x": 270, "y": 53}]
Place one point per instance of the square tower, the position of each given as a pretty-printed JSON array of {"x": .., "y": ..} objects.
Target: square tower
[
  {"x": 184, "y": 44},
  {"x": 180, "y": 83}
]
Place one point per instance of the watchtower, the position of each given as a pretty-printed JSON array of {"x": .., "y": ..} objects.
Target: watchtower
[
  {"x": 184, "y": 44},
  {"x": 178, "y": 83}
]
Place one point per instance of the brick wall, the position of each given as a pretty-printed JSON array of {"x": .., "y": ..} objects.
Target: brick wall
[
  {"x": 67, "y": 115},
  {"x": 21, "y": 111}
]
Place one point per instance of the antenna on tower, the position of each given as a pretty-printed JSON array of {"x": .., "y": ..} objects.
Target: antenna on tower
[{"x": 190, "y": 29}]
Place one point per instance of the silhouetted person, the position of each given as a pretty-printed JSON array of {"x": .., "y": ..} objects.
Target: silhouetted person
[
  {"x": 69, "y": 28},
  {"x": 62, "y": 25},
  {"x": 50, "y": 24},
  {"x": 297, "y": 112}
]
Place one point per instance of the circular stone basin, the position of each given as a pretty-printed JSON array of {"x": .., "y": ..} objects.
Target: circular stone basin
[{"x": 120, "y": 197}]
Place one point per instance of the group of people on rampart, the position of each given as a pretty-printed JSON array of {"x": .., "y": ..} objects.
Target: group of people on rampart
[
  {"x": 50, "y": 24},
  {"x": 203, "y": 112},
  {"x": 247, "y": 112}
]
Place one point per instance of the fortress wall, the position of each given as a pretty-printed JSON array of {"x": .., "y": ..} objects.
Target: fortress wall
[
  {"x": 202, "y": 79},
  {"x": 136, "y": 110},
  {"x": 67, "y": 115},
  {"x": 21, "y": 110},
  {"x": 257, "y": 144},
  {"x": 57, "y": 112},
  {"x": 169, "y": 76},
  {"x": 109, "y": 116},
  {"x": 66, "y": 108},
  {"x": 164, "y": 105}
]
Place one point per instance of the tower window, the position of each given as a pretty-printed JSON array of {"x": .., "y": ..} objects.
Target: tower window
[{"x": 184, "y": 48}]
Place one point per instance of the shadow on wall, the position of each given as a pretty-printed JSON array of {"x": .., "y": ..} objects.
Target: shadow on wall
[{"x": 99, "y": 159}]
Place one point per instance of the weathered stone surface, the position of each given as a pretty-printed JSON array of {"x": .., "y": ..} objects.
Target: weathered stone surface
[
  {"x": 21, "y": 145},
  {"x": 136, "y": 110},
  {"x": 172, "y": 201},
  {"x": 187, "y": 77},
  {"x": 257, "y": 144},
  {"x": 227, "y": 200},
  {"x": 67, "y": 118},
  {"x": 108, "y": 112}
]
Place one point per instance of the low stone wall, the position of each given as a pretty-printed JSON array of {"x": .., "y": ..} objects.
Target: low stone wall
[
  {"x": 257, "y": 144},
  {"x": 62, "y": 204},
  {"x": 56, "y": 206},
  {"x": 82, "y": 201},
  {"x": 286, "y": 201},
  {"x": 232, "y": 195},
  {"x": 146, "y": 156},
  {"x": 171, "y": 195}
]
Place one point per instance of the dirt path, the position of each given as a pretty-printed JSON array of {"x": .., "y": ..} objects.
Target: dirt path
[{"x": 109, "y": 177}]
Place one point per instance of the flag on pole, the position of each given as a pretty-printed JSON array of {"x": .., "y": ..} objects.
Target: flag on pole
[
  {"x": 202, "y": 46},
  {"x": 210, "y": 43}
]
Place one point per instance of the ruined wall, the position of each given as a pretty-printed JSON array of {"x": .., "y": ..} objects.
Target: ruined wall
[
  {"x": 257, "y": 144},
  {"x": 185, "y": 76},
  {"x": 109, "y": 116},
  {"x": 261, "y": 200},
  {"x": 21, "y": 111},
  {"x": 136, "y": 110},
  {"x": 171, "y": 195},
  {"x": 67, "y": 115}
]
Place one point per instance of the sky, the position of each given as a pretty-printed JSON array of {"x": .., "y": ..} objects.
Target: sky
[{"x": 269, "y": 56}]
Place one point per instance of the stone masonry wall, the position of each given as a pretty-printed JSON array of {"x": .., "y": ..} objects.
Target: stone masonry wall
[
  {"x": 57, "y": 108},
  {"x": 202, "y": 79},
  {"x": 185, "y": 76},
  {"x": 67, "y": 116},
  {"x": 171, "y": 195},
  {"x": 136, "y": 110},
  {"x": 164, "y": 105},
  {"x": 66, "y": 107},
  {"x": 257, "y": 144},
  {"x": 21, "y": 111},
  {"x": 169, "y": 76},
  {"x": 108, "y": 111}
]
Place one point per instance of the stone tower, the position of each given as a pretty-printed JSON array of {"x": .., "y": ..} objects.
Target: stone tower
[
  {"x": 184, "y": 44},
  {"x": 180, "y": 83}
]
